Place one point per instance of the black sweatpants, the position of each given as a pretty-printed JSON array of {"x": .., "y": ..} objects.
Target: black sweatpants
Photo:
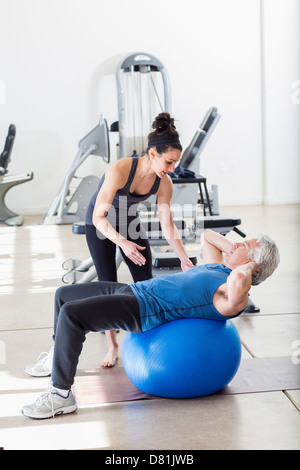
[
  {"x": 81, "y": 308},
  {"x": 103, "y": 253}
]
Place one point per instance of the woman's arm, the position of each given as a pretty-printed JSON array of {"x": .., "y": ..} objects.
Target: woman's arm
[
  {"x": 167, "y": 224},
  {"x": 213, "y": 246}
]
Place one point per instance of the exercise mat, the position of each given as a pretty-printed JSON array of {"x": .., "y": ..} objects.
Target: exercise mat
[
  {"x": 105, "y": 385},
  {"x": 269, "y": 374},
  {"x": 265, "y": 374}
]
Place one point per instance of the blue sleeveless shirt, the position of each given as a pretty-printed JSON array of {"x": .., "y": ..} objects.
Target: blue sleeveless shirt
[
  {"x": 186, "y": 294},
  {"x": 124, "y": 207}
]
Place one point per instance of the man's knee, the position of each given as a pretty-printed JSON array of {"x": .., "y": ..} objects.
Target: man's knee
[
  {"x": 62, "y": 294},
  {"x": 59, "y": 293},
  {"x": 69, "y": 312}
]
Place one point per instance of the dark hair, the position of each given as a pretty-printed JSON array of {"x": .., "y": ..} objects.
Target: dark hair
[{"x": 164, "y": 130}]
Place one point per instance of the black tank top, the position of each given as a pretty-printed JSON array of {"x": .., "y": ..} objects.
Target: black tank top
[{"x": 124, "y": 207}]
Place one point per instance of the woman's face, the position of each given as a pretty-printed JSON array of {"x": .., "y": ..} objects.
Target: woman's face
[{"x": 164, "y": 163}]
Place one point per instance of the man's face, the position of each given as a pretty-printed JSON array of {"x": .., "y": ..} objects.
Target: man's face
[{"x": 238, "y": 255}]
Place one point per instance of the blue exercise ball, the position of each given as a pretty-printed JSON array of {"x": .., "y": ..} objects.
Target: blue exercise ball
[{"x": 183, "y": 358}]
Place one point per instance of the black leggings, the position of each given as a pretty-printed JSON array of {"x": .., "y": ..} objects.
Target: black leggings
[
  {"x": 103, "y": 253},
  {"x": 81, "y": 308}
]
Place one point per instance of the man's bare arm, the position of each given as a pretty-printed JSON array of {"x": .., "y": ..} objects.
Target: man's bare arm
[
  {"x": 239, "y": 284},
  {"x": 213, "y": 246}
]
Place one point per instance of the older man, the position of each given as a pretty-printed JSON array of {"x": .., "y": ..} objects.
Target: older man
[{"x": 215, "y": 290}]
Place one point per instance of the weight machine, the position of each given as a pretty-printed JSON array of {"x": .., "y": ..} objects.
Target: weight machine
[
  {"x": 9, "y": 181},
  {"x": 141, "y": 80}
]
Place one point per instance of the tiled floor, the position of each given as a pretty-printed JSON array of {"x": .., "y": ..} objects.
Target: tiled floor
[{"x": 31, "y": 259}]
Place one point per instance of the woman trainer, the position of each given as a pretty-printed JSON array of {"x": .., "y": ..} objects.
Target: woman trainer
[{"x": 112, "y": 216}]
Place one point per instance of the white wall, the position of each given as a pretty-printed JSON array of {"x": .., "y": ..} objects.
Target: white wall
[
  {"x": 58, "y": 62},
  {"x": 281, "y": 100}
]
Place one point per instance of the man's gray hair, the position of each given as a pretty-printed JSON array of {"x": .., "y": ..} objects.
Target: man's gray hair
[{"x": 267, "y": 254}]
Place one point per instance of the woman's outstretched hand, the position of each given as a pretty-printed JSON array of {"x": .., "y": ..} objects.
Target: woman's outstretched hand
[
  {"x": 186, "y": 264},
  {"x": 132, "y": 251}
]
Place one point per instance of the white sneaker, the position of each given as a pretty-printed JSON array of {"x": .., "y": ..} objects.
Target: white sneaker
[
  {"x": 50, "y": 404},
  {"x": 43, "y": 366}
]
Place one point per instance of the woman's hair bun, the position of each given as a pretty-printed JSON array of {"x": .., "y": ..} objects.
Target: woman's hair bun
[
  {"x": 165, "y": 132},
  {"x": 163, "y": 122}
]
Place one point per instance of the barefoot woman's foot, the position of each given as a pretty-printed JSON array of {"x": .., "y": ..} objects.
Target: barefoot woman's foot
[{"x": 111, "y": 358}]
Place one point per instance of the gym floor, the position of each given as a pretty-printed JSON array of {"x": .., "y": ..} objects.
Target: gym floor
[{"x": 30, "y": 271}]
